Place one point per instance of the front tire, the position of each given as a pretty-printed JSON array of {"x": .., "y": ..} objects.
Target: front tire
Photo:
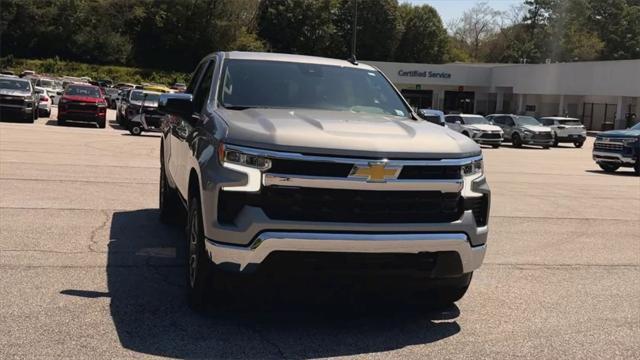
[
  {"x": 495, "y": 146},
  {"x": 135, "y": 130},
  {"x": 61, "y": 122},
  {"x": 442, "y": 297},
  {"x": 609, "y": 168},
  {"x": 578, "y": 144},
  {"x": 637, "y": 167},
  {"x": 102, "y": 123},
  {"x": 199, "y": 267},
  {"x": 516, "y": 140}
]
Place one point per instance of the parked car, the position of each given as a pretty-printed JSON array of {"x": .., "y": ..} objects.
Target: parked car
[
  {"x": 432, "y": 116},
  {"x": 44, "y": 102},
  {"x": 131, "y": 105},
  {"x": 475, "y": 127},
  {"x": 142, "y": 112},
  {"x": 121, "y": 105},
  {"x": 297, "y": 160},
  {"x": 566, "y": 130},
  {"x": 618, "y": 148},
  {"x": 83, "y": 103},
  {"x": 18, "y": 101},
  {"x": 111, "y": 95},
  {"x": 54, "y": 90},
  {"x": 179, "y": 87},
  {"x": 26, "y": 73},
  {"x": 523, "y": 130}
]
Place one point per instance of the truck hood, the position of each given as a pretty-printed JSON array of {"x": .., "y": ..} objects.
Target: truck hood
[
  {"x": 620, "y": 133},
  {"x": 11, "y": 92},
  {"x": 344, "y": 133},
  {"x": 484, "y": 127}
]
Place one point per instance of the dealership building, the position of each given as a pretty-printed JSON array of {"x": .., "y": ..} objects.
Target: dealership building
[{"x": 600, "y": 93}]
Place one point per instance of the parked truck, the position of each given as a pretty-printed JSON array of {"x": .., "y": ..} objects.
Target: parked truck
[{"x": 295, "y": 160}]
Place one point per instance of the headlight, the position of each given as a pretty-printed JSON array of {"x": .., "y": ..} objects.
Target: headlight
[
  {"x": 237, "y": 157},
  {"x": 528, "y": 132},
  {"x": 629, "y": 141},
  {"x": 474, "y": 168}
]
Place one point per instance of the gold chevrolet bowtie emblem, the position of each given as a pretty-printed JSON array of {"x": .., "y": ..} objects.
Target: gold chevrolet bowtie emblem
[{"x": 377, "y": 171}]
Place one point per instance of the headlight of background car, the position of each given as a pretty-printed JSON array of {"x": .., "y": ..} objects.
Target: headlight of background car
[
  {"x": 237, "y": 157},
  {"x": 474, "y": 168}
]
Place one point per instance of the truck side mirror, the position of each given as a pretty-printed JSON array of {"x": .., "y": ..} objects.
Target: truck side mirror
[{"x": 176, "y": 104}]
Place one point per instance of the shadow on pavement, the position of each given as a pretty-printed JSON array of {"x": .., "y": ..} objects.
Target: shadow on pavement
[
  {"x": 81, "y": 124},
  {"x": 263, "y": 318},
  {"x": 620, "y": 172}
]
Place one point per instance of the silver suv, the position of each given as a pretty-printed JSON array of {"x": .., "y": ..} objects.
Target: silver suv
[
  {"x": 523, "y": 130},
  {"x": 298, "y": 160}
]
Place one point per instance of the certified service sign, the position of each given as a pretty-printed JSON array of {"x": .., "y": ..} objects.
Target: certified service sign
[{"x": 424, "y": 74}]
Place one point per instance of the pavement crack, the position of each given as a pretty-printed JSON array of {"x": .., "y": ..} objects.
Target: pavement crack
[
  {"x": 273, "y": 344},
  {"x": 93, "y": 241}
]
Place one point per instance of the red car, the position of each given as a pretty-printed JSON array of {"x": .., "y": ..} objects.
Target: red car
[{"x": 83, "y": 102}]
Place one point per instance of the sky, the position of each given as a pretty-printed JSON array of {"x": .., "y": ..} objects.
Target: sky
[{"x": 451, "y": 9}]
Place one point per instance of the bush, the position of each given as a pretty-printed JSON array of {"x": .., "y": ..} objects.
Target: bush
[{"x": 57, "y": 67}]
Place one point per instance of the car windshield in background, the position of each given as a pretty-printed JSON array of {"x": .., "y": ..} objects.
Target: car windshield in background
[
  {"x": 46, "y": 83},
  {"x": 636, "y": 127},
  {"x": 475, "y": 120},
  {"x": 432, "y": 118},
  {"x": 527, "y": 120},
  {"x": 271, "y": 84},
  {"x": 82, "y": 91},
  {"x": 569, "y": 122},
  {"x": 10, "y": 84},
  {"x": 139, "y": 95}
]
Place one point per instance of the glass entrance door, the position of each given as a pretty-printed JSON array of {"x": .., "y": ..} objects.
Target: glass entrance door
[{"x": 459, "y": 101}]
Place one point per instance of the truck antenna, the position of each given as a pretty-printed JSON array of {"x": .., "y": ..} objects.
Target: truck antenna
[{"x": 352, "y": 59}]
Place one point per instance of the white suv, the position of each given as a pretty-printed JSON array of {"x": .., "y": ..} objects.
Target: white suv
[
  {"x": 566, "y": 130},
  {"x": 476, "y": 127}
]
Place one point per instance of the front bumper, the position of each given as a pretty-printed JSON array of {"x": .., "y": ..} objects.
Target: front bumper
[
  {"x": 248, "y": 259},
  {"x": 81, "y": 116},
  {"x": 483, "y": 138},
  {"x": 571, "y": 138},
  {"x": 612, "y": 157}
]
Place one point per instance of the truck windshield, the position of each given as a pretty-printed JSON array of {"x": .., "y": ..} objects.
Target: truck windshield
[
  {"x": 570, "y": 122},
  {"x": 82, "y": 91},
  {"x": 14, "y": 84},
  {"x": 139, "y": 95},
  {"x": 475, "y": 120},
  {"x": 274, "y": 84},
  {"x": 636, "y": 127},
  {"x": 527, "y": 120}
]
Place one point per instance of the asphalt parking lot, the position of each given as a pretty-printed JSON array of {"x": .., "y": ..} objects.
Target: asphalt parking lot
[{"x": 87, "y": 271}]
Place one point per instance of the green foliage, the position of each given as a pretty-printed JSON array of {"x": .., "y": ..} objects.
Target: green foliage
[
  {"x": 424, "y": 38},
  {"x": 57, "y": 67},
  {"x": 297, "y": 26}
]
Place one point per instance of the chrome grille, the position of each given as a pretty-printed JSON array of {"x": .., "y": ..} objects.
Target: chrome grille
[{"x": 608, "y": 146}]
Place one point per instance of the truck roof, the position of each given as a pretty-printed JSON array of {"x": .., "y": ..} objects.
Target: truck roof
[{"x": 246, "y": 55}]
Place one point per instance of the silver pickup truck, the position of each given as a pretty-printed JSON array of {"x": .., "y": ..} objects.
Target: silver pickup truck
[{"x": 298, "y": 160}]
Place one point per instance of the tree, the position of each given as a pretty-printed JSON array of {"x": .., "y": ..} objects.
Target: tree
[
  {"x": 476, "y": 26},
  {"x": 297, "y": 26},
  {"x": 617, "y": 22},
  {"x": 423, "y": 39},
  {"x": 378, "y": 29}
]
